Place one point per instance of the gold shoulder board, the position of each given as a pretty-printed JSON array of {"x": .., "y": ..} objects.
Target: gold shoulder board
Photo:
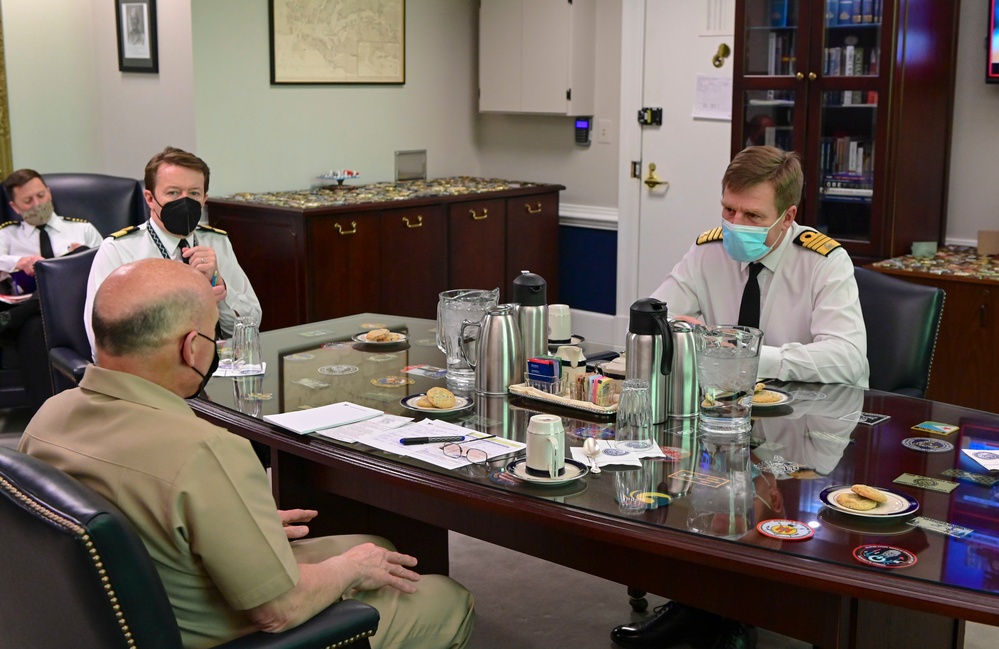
[
  {"x": 124, "y": 231},
  {"x": 211, "y": 229},
  {"x": 714, "y": 234},
  {"x": 817, "y": 242},
  {"x": 8, "y": 223},
  {"x": 74, "y": 219}
]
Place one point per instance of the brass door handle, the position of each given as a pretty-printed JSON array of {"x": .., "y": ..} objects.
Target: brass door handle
[
  {"x": 724, "y": 51},
  {"x": 418, "y": 224},
  {"x": 535, "y": 210},
  {"x": 339, "y": 228},
  {"x": 653, "y": 181},
  {"x": 812, "y": 76},
  {"x": 477, "y": 217}
]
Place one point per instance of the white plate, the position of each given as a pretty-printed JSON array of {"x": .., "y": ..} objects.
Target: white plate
[
  {"x": 573, "y": 471},
  {"x": 785, "y": 399},
  {"x": 460, "y": 403},
  {"x": 363, "y": 338},
  {"x": 898, "y": 504}
]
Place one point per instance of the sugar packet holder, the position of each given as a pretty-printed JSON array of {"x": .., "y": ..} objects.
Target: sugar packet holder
[{"x": 544, "y": 373}]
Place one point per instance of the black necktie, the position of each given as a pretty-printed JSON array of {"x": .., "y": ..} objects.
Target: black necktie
[
  {"x": 749, "y": 309},
  {"x": 44, "y": 243},
  {"x": 181, "y": 246}
]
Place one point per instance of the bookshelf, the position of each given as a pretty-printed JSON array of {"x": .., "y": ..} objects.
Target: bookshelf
[{"x": 862, "y": 90}]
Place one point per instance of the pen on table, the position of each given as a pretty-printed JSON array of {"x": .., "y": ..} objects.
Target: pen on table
[
  {"x": 215, "y": 278},
  {"x": 409, "y": 441}
]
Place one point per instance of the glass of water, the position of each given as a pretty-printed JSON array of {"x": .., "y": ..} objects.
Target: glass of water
[
  {"x": 728, "y": 357},
  {"x": 246, "y": 355},
  {"x": 634, "y": 416}
]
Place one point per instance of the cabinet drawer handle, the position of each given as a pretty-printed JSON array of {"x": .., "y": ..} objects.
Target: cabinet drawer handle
[
  {"x": 527, "y": 206},
  {"x": 418, "y": 224},
  {"x": 476, "y": 217},
  {"x": 339, "y": 228}
]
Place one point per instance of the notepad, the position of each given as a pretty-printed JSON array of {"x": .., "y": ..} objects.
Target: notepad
[{"x": 331, "y": 416}]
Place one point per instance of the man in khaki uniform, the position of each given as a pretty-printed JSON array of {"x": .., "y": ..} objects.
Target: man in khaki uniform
[{"x": 197, "y": 494}]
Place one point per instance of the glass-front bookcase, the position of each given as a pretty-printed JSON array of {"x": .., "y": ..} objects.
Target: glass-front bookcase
[{"x": 826, "y": 78}]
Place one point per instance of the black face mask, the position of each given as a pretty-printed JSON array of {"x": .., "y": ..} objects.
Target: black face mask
[
  {"x": 180, "y": 216},
  {"x": 205, "y": 378}
]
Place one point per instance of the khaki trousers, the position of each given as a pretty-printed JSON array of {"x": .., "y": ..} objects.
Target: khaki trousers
[{"x": 439, "y": 615}]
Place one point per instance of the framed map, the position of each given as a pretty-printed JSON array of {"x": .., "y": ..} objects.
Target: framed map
[{"x": 338, "y": 41}]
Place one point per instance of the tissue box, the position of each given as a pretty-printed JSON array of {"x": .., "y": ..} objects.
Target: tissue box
[{"x": 988, "y": 242}]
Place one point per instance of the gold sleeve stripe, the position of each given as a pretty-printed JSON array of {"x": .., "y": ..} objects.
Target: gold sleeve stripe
[
  {"x": 817, "y": 242},
  {"x": 714, "y": 234}
]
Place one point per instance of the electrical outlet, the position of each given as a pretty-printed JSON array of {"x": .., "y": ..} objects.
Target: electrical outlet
[{"x": 603, "y": 134}]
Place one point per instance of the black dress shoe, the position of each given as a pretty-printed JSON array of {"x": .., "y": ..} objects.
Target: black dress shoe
[
  {"x": 670, "y": 624},
  {"x": 736, "y": 636}
]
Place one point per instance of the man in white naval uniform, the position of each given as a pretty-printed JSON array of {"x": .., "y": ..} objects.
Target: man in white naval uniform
[
  {"x": 762, "y": 269},
  {"x": 40, "y": 234},
  {"x": 809, "y": 309},
  {"x": 176, "y": 188}
]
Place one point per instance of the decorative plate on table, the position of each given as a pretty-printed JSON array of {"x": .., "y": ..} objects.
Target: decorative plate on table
[
  {"x": 573, "y": 470},
  {"x": 783, "y": 398},
  {"x": 363, "y": 338},
  {"x": 898, "y": 505},
  {"x": 460, "y": 403}
]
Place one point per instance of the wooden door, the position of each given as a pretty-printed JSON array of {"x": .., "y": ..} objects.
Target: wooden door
[
  {"x": 475, "y": 245},
  {"x": 414, "y": 260}
]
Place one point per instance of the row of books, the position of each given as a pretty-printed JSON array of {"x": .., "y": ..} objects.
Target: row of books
[
  {"x": 780, "y": 54},
  {"x": 851, "y": 98},
  {"x": 852, "y": 12},
  {"x": 850, "y": 61},
  {"x": 781, "y": 137},
  {"x": 846, "y": 161}
]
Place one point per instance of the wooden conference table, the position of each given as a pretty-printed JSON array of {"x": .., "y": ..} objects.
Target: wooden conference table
[{"x": 813, "y": 590}]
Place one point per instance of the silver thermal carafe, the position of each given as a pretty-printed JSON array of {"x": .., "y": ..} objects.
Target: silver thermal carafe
[
  {"x": 649, "y": 352},
  {"x": 530, "y": 294},
  {"x": 683, "y": 392},
  {"x": 499, "y": 362}
]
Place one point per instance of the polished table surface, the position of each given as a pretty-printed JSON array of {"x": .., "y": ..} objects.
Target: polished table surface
[{"x": 814, "y": 589}]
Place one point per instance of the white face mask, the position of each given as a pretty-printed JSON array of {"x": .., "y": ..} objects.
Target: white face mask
[{"x": 38, "y": 215}]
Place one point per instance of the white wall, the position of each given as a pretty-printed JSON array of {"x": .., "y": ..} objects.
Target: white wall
[
  {"x": 973, "y": 195},
  {"x": 259, "y": 137},
  {"x": 71, "y": 109}
]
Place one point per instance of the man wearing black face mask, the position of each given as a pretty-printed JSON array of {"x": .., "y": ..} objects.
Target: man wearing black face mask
[
  {"x": 196, "y": 493},
  {"x": 176, "y": 188}
]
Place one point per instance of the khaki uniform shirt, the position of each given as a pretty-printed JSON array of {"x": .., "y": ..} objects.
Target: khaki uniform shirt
[{"x": 197, "y": 495}]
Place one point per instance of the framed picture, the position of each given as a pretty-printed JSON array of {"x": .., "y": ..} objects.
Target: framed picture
[
  {"x": 331, "y": 41},
  {"x": 136, "y": 21}
]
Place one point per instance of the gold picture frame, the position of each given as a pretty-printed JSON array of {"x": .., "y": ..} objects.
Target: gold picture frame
[
  {"x": 331, "y": 42},
  {"x": 6, "y": 157}
]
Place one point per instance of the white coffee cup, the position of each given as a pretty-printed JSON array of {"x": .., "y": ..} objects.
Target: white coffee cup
[
  {"x": 545, "y": 446},
  {"x": 559, "y": 324}
]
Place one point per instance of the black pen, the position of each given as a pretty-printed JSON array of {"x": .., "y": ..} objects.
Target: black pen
[{"x": 409, "y": 441}]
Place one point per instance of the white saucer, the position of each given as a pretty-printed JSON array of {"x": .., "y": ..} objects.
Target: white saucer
[
  {"x": 898, "y": 505},
  {"x": 573, "y": 470},
  {"x": 363, "y": 338},
  {"x": 460, "y": 403}
]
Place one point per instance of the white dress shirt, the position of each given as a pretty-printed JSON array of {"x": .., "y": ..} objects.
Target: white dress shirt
[
  {"x": 138, "y": 244},
  {"x": 810, "y": 312},
  {"x": 18, "y": 239}
]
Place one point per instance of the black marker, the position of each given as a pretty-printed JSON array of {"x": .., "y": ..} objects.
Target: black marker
[{"x": 409, "y": 441}]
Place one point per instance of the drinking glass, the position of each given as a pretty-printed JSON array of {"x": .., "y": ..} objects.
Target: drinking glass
[
  {"x": 246, "y": 356},
  {"x": 728, "y": 357},
  {"x": 634, "y": 416},
  {"x": 721, "y": 501},
  {"x": 246, "y": 394},
  {"x": 632, "y": 490}
]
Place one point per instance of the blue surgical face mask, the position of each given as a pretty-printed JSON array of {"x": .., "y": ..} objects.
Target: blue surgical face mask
[{"x": 747, "y": 243}]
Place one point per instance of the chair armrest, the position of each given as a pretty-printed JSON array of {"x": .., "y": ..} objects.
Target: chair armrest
[
  {"x": 68, "y": 362},
  {"x": 343, "y": 624}
]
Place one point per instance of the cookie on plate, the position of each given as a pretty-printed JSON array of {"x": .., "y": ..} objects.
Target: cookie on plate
[
  {"x": 441, "y": 397},
  {"x": 869, "y": 492},
  {"x": 377, "y": 335},
  {"x": 766, "y": 396},
  {"x": 851, "y": 500},
  {"x": 424, "y": 402}
]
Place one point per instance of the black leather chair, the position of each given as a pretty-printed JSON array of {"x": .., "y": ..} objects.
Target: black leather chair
[
  {"x": 902, "y": 321},
  {"x": 62, "y": 292},
  {"x": 76, "y": 574},
  {"x": 109, "y": 202}
]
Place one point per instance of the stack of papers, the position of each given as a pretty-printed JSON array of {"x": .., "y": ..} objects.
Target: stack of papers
[
  {"x": 613, "y": 455},
  {"x": 316, "y": 419}
]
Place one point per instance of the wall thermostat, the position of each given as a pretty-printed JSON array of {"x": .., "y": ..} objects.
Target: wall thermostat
[{"x": 583, "y": 127}]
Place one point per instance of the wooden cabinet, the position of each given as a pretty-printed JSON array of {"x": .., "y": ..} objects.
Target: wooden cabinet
[
  {"x": 537, "y": 56},
  {"x": 310, "y": 261},
  {"x": 866, "y": 100},
  {"x": 965, "y": 363}
]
